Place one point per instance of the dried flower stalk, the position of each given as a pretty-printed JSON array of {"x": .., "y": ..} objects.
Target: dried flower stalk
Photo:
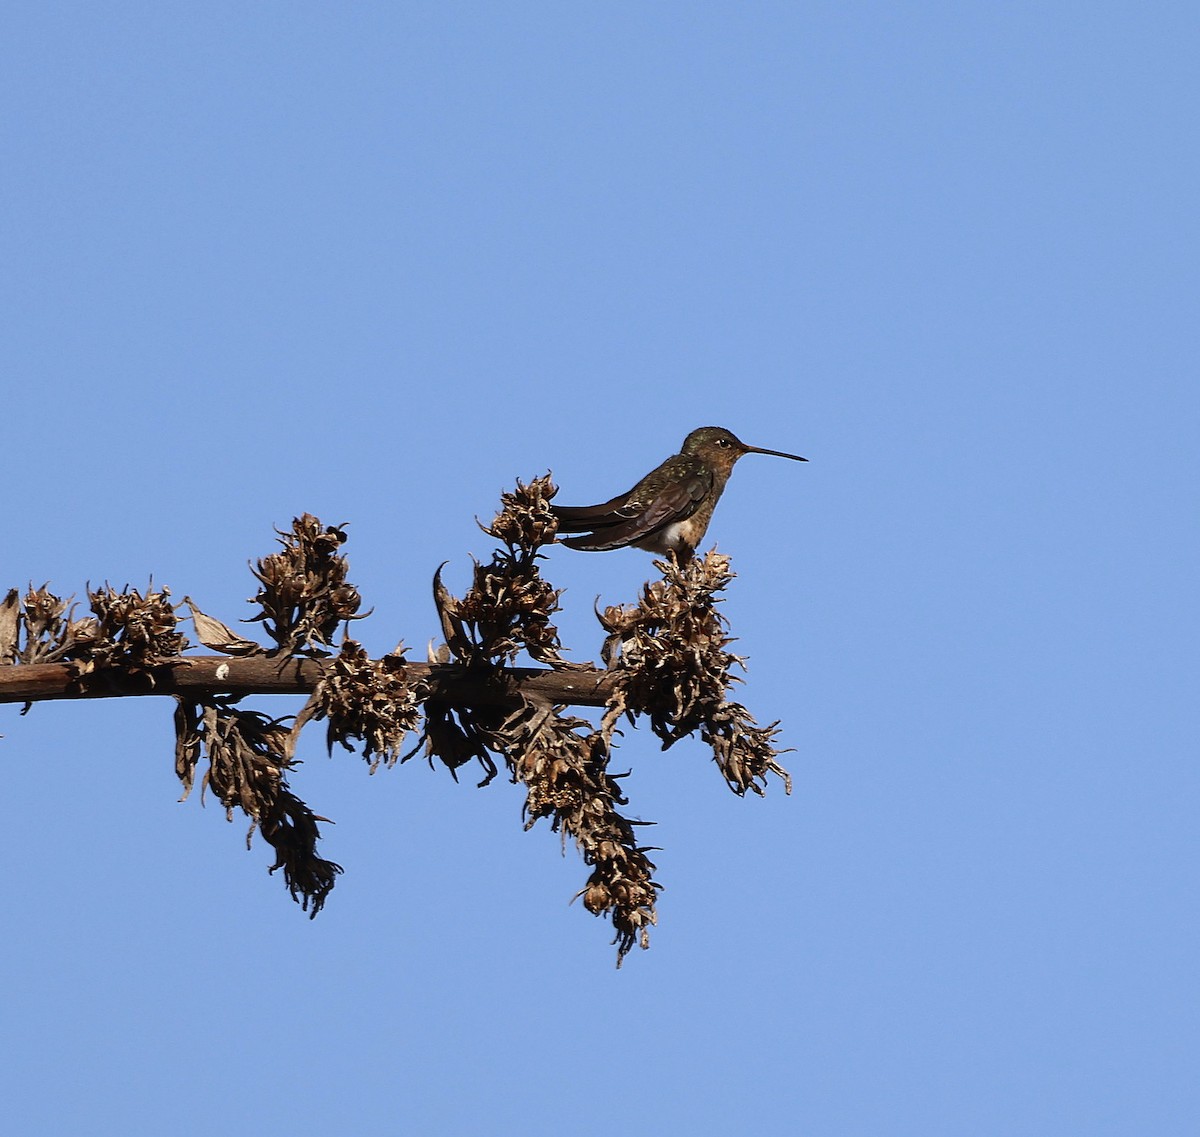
[{"x": 561, "y": 761}]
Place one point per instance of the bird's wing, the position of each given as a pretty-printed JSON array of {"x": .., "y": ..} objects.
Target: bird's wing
[{"x": 643, "y": 513}]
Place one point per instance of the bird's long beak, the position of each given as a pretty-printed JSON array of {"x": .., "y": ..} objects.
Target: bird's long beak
[{"x": 774, "y": 453}]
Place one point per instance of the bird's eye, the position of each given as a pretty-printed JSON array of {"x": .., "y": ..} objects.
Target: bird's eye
[{"x": 723, "y": 442}]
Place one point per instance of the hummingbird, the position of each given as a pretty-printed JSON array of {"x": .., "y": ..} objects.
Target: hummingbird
[{"x": 670, "y": 508}]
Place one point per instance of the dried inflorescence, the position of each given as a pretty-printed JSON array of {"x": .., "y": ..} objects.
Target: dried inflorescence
[
  {"x": 509, "y": 605},
  {"x": 304, "y": 594},
  {"x": 128, "y": 630},
  {"x": 507, "y": 608},
  {"x": 248, "y": 754},
  {"x": 35, "y": 628},
  {"x": 669, "y": 660},
  {"x": 458, "y": 735},
  {"x": 376, "y": 701},
  {"x": 525, "y": 522},
  {"x": 563, "y": 763}
]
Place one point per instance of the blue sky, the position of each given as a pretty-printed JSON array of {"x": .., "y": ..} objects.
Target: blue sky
[{"x": 376, "y": 261}]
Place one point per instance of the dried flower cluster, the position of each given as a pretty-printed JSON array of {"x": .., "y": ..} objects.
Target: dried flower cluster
[
  {"x": 669, "y": 657},
  {"x": 509, "y": 605},
  {"x": 458, "y": 735},
  {"x": 247, "y": 755},
  {"x": 304, "y": 593},
  {"x": 130, "y": 631},
  {"x": 562, "y": 761},
  {"x": 375, "y": 701},
  {"x": 36, "y": 628},
  {"x": 127, "y": 631}
]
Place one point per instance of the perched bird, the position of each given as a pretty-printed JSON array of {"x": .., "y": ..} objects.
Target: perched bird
[{"x": 670, "y": 508}]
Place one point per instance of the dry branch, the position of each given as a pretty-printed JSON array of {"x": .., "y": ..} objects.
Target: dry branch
[
  {"x": 197, "y": 676},
  {"x": 665, "y": 658}
]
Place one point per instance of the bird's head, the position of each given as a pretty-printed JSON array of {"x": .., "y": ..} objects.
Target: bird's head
[{"x": 721, "y": 448}]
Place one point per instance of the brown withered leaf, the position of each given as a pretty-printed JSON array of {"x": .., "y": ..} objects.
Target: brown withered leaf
[
  {"x": 248, "y": 756},
  {"x": 10, "y": 626},
  {"x": 458, "y": 643},
  {"x": 216, "y": 636},
  {"x": 189, "y": 743}
]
